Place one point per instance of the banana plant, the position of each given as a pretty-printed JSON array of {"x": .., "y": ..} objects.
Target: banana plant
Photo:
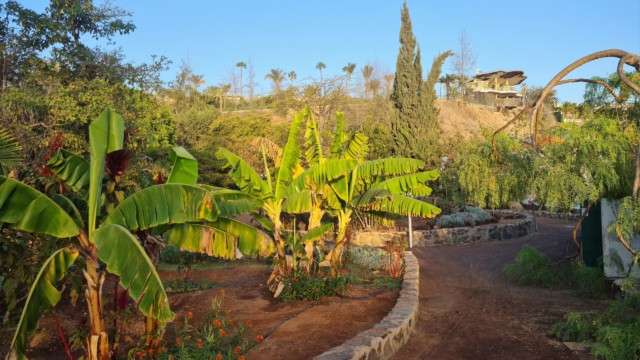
[{"x": 24, "y": 208}]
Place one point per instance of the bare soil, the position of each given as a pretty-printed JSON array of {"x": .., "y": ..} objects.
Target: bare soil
[{"x": 470, "y": 310}]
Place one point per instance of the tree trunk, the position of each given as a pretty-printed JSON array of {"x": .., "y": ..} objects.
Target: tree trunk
[{"x": 98, "y": 342}]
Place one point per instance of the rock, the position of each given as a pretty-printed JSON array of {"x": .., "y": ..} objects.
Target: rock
[{"x": 516, "y": 206}]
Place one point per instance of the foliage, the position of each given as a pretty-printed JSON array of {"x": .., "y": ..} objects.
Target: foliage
[
  {"x": 299, "y": 285},
  {"x": 470, "y": 216},
  {"x": 368, "y": 256},
  {"x": 589, "y": 281},
  {"x": 9, "y": 149},
  {"x": 532, "y": 267},
  {"x": 616, "y": 330},
  {"x": 218, "y": 337},
  {"x": 185, "y": 286}
]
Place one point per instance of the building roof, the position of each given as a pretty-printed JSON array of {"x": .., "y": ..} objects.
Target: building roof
[{"x": 513, "y": 77}]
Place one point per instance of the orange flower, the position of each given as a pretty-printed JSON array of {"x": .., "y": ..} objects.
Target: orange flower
[
  {"x": 236, "y": 350},
  {"x": 241, "y": 357},
  {"x": 217, "y": 323},
  {"x": 222, "y": 332},
  {"x": 219, "y": 357},
  {"x": 259, "y": 338},
  {"x": 189, "y": 314},
  {"x": 250, "y": 324},
  {"x": 178, "y": 341},
  {"x": 230, "y": 322},
  {"x": 199, "y": 343}
]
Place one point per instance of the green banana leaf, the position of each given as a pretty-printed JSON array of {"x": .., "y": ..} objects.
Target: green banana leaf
[
  {"x": 389, "y": 167},
  {"x": 412, "y": 183},
  {"x": 9, "y": 149},
  {"x": 125, "y": 257},
  {"x": 70, "y": 208},
  {"x": 338, "y": 136},
  {"x": 298, "y": 202},
  {"x": 290, "y": 156},
  {"x": 312, "y": 142},
  {"x": 355, "y": 147},
  {"x": 164, "y": 204},
  {"x": 185, "y": 167},
  {"x": 220, "y": 238},
  {"x": 43, "y": 295},
  {"x": 233, "y": 203},
  {"x": 243, "y": 175},
  {"x": 71, "y": 168},
  {"x": 403, "y": 205},
  {"x": 106, "y": 134},
  {"x": 370, "y": 196},
  {"x": 320, "y": 174},
  {"x": 25, "y": 208},
  {"x": 316, "y": 233}
]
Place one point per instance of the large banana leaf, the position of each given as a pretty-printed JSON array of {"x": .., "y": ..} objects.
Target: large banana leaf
[
  {"x": 412, "y": 183},
  {"x": 312, "y": 142},
  {"x": 389, "y": 167},
  {"x": 338, "y": 137},
  {"x": 185, "y": 167},
  {"x": 25, "y": 208},
  {"x": 70, "y": 208},
  {"x": 320, "y": 174},
  {"x": 106, "y": 134},
  {"x": 42, "y": 296},
  {"x": 298, "y": 202},
  {"x": 233, "y": 203},
  {"x": 71, "y": 168},
  {"x": 355, "y": 147},
  {"x": 316, "y": 233},
  {"x": 270, "y": 149},
  {"x": 243, "y": 175},
  {"x": 370, "y": 196},
  {"x": 219, "y": 238},
  {"x": 403, "y": 205},
  {"x": 9, "y": 149},
  {"x": 125, "y": 257},
  {"x": 164, "y": 204},
  {"x": 290, "y": 156}
]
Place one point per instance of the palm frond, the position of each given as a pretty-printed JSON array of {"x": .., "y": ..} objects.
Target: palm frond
[{"x": 9, "y": 149}]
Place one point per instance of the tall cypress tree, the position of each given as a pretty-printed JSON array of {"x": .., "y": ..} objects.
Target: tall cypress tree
[
  {"x": 405, "y": 96},
  {"x": 415, "y": 126}
]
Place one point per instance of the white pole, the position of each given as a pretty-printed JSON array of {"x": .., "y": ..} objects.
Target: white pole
[{"x": 410, "y": 234}]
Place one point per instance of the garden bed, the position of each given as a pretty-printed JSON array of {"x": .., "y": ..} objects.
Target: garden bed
[{"x": 294, "y": 329}]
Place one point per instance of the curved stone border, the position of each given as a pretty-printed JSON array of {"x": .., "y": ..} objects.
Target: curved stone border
[
  {"x": 450, "y": 236},
  {"x": 385, "y": 338},
  {"x": 557, "y": 215}
]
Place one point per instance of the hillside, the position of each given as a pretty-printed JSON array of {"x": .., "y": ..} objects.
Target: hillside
[{"x": 468, "y": 120}]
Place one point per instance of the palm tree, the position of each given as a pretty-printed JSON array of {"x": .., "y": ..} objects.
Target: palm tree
[
  {"x": 276, "y": 76},
  {"x": 9, "y": 149},
  {"x": 292, "y": 77},
  {"x": 196, "y": 81},
  {"x": 388, "y": 84},
  {"x": 241, "y": 65},
  {"x": 320, "y": 65},
  {"x": 374, "y": 86},
  {"x": 367, "y": 71},
  {"x": 447, "y": 80},
  {"x": 349, "y": 68}
]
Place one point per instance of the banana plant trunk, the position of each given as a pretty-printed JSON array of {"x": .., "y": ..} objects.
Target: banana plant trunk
[
  {"x": 98, "y": 342},
  {"x": 344, "y": 217}
]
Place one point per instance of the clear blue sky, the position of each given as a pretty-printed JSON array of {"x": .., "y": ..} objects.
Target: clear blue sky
[{"x": 538, "y": 37}]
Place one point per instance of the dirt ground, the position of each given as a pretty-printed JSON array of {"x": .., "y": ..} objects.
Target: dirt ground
[{"x": 469, "y": 310}]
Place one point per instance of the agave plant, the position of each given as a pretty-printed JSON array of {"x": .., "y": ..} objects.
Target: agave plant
[{"x": 112, "y": 242}]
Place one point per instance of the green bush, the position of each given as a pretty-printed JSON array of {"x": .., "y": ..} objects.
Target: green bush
[
  {"x": 532, "y": 268},
  {"x": 368, "y": 256},
  {"x": 185, "y": 286},
  {"x": 589, "y": 281},
  {"x": 578, "y": 327},
  {"x": 301, "y": 286},
  {"x": 469, "y": 217}
]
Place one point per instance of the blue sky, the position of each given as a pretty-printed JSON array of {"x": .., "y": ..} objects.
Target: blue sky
[{"x": 539, "y": 37}]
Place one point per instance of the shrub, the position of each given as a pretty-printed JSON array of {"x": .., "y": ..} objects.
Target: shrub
[
  {"x": 185, "y": 286},
  {"x": 479, "y": 215},
  {"x": 578, "y": 327},
  {"x": 470, "y": 217},
  {"x": 532, "y": 268},
  {"x": 618, "y": 342},
  {"x": 589, "y": 281},
  {"x": 301, "y": 286},
  {"x": 372, "y": 258}
]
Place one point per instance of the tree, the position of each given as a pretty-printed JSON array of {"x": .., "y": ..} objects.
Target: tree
[
  {"x": 320, "y": 66},
  {"x": 464, "y": 61},
  {"x": 292, "y": 77},
  {"x": 241, "y": 65},
  {"x": 447, "y": 80},
  {"x": 349, "y": 69},
  {"x": 277, "y": 77},
  {"x": 367, "y": 72},
  {"x": 26, "y": 209}
]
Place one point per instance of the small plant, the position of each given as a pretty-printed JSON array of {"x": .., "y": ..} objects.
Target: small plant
[
  {"x": 372, "y": 258},
  {"x": 532, "y": 268},
  {"x": 589, "y": 281},
  {"x": 395, "y": 257},
  {"x": 578, "y": 327},
  {"x": 218, "y": 337},
  {"x": 185, "y": 286},
  {"x": 302, "y": 286}
]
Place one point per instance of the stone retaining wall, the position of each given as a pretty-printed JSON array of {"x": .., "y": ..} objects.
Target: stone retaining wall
[
  {"x": 387, "y": 337},
  {"x": 557, "y": 215},
  {"x": 497, "y": 231}
]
